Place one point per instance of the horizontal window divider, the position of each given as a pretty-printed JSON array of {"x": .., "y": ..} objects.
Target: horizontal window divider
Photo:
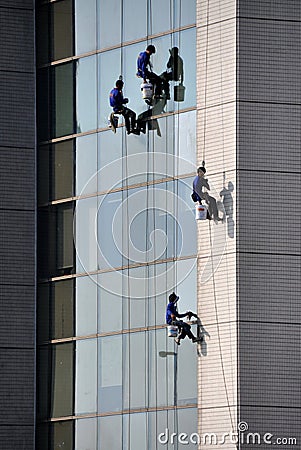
[
  {"x": 114, "y": 269},
  {"x": 120, "y": 413},
  {"x": 119, "y": 189},
  {"x": 98, "y": 130},
  {"x": 105, "y": 334},
  {"x": 116, "y": 46}
]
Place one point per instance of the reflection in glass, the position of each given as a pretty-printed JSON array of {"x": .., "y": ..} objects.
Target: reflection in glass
[
  {"x": 185, "y": 12},
  {"x": 134, "y": 375},
  {"x": 135, "y": 431},
  {"x": 106, "y": 35},
  {"x": 86, "y": 164},
  {"x": 110, "y": 433},
  {"x": 86, "y": 434},
  {"x": 134, "y": 25},
  {"x": 109, "y": 70},
  {"x": 86, "y": 376},
  {"x": 109, "y": 254},
  {"x": 85, "y": 306},
  {"x": 86, "y": 94},
  {"x": 109, "y": 150},
  {"x": 109, "y": 304},
  {"x": 64, "y": 238},
  {"x": 85, "y": 235},
  {"x": 110, "y": 374},
  {"x": 85, "y": 26}
]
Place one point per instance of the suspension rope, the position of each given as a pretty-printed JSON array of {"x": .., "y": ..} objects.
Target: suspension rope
[{"x": 206, "y": 82}]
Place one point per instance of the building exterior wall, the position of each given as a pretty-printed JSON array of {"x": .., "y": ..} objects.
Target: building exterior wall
[
  {"x": 269, "y": 244},
  {"x": 216, "y": 130},
  {"x": 108, "y": 376},
  {"x": 17, "y": 226}
]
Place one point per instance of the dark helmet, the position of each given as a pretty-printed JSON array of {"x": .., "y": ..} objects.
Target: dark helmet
[
  {"x": 151, "y": 48},
  {"x": 119, "y": 84}
]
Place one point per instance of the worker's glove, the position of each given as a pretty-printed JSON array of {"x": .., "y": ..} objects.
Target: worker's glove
[{"x": 125, "y": 100}]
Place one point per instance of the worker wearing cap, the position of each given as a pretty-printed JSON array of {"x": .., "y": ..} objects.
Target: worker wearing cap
[{"x": 171, "y": 319}]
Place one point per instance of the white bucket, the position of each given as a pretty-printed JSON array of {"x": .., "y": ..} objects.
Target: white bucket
[
  {"x": 147, "y": 90},
  {"x": 172, "y": 331},
  {"x": 200, "y": 212}
]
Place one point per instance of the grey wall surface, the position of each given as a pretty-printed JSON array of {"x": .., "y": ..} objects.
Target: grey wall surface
[
  {"x": 269, "y": 217},
  {"x": 17, "y": 225}
]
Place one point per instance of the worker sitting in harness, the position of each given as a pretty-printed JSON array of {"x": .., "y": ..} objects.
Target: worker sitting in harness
[
  {"x": 171, "y": 319},
  {"x": 143, "y": 62},
  {"x": 117, "y": 101},
  {"x": 198, "y": 195}
]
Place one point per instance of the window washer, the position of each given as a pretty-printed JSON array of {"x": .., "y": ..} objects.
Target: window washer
[
  {"x": 171, "y": 319},
  {"x": 143, "y": 66},
  {"x": 117, "y": 101},
  {"x": 198, "y": 195}
]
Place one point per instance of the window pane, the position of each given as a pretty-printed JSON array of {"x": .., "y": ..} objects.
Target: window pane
[
  {"x": 185, "y": 11},
  {"x": 86, "y": 306},
  {"x": 85, "y": 235},
  {"x": 86, "y": 94},
  {"x": 62, "y": 305},
  {"x": 62, "y": 30},
  {"x": 110, "y": 433},
  {"x": 132, "y": 84},
  {"x": 109, "y": 175},
  {"x": 185, "y": 210},
  {"x": 86, "y": 434},
  {"x": 186, "y": 42},
  {"x": 85, "y": 26},
  {"x": 64, "y": 238},
  {"x": 110, "y": 374},
  {"x": 109, "y": 70},
  {"x": 62, "y": 380},
  {"x": 86, "y": 376},
  {"x": 134, "y": 378},
  {"x": 108, "y": 12},
  {"x": 86, "y": 164},
  {"x": 160, "y": 16},
  {"x": 161, "y": 367},
  {"x": 110, "y": 303},
  {"x": 110, "y": 230},
  {"x": 133, "y": 28},
  {"x": 62, "y": 435},
  {"x": 134, "y": 431},
  {"x": 62, "y": 170},
  {"x": 43, "y": 382},
  {"x": 63, "y": 100}
]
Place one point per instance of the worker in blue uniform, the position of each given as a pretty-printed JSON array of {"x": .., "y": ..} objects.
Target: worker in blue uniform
[
  {"x": 198, "y": 195},
  {"x": 117, "y": 102},
  {"x": 144, "y": 71},
  {"x": 171, "y": 319}
]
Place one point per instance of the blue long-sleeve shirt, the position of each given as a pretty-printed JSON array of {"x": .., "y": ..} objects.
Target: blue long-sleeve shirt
[
  {"x": 142, "y": 63},
  {"x": 116, "y": 99},
  {"x": 172, "y": 310}
]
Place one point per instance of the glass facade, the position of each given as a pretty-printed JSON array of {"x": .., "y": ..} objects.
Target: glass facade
[{"x": 116, "y": 228}]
